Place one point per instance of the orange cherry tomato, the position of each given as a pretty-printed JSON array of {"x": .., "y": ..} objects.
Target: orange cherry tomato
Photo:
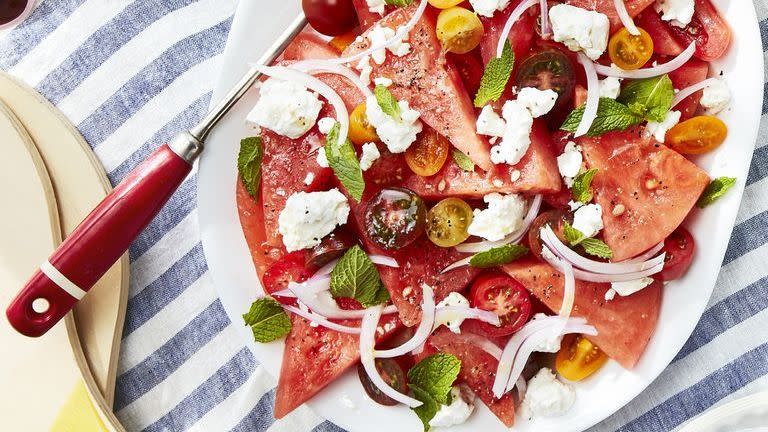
[
  {"x": 630, "y": 52},
  {"x": 697, "y": 135},
  {"x": 341, "y": 42},
  {"x": 360, "y": 131},
  {"x": 428, "y": 154},
  {"x": 578, "y": 358}
]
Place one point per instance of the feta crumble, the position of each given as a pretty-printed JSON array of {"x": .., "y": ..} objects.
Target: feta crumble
[
  {"x": 630, "y": 287},
  {"x": 659, "y": 130},
  {"x": 322, "y": 158},
  {"x": 589, "y": 219},
  {"x": 365, "y": 68},
  {"x": 679, "y": 13},
  {"x": 458, "y": 411},
  {"x": 503, "y": 216},
  {"x": 610, "y": 87},
  {"x": 286, "y": 108},
  {"x": 569, "y": 163},
  {"x": 454, "y": 322},
  {"x": 716, "y": 97},
  {"x": 551, "y": 343},
  {"x": 310, "y": 216},
  {"x": 517, "y": 134},
  {"x": 325, "y": 124},
  {"x": 538, "y": 102},
  {"x": 487, "y": 8},
  {"x": 378, "y": 35},
  {"x": 309, "y": 178},
  {"x": 398, "y": 135},
  {"x": 546, "y": 396},
  {"x": 376, "y": 6},
  {"x": 489, "y": 123},
  {"x": 369, "y": 156},
  {"x": 580, "y": 29},
  {"x": 384, "y": 81}
]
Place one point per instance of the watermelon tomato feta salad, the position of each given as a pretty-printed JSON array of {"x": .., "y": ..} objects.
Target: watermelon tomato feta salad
[{"x": 477, "y": 202}]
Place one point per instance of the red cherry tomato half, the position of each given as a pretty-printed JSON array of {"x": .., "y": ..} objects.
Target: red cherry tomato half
[
  {"x": 504, "y": 296},
  {"x": 679, "y": 247},
  {"x": 330, "y": 17},
  {"x": 290, "y": 268},
  {"x": 553, "y": 218},
  {"x": 331, "y": 247}
]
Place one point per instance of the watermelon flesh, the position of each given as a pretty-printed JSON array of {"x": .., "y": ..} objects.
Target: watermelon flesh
[
  {"x": 634, "y": 7},
  {"x": 658, "y": 188},
  {"x": 664, "y": 41},
  {"x": 364, "y": 14},
  {"x": 692, "y": 72},
  {"x": 624, "y": 325},
  {"x": 520, "y": 37}
]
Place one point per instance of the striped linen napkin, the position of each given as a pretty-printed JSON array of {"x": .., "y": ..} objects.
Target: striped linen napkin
[{"x": 130, "y": 74}]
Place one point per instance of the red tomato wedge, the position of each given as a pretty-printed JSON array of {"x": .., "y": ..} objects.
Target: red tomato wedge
[
  {"x": 364, "y": 14},
  {"x": 538, "y": 174},
  {"x": 694, "y": 71},
  {"x": 431, "y": 84},
  {"x": 664, "y": 41},
  {"x": 478, "y": 371},
  {"x": 607, "y": 7},
  {"x": 624, "y": 324},
  {"x": 520, "y": 37},
  {"x": 708, "y": 29},
  {"x": 657, "y": 187}
]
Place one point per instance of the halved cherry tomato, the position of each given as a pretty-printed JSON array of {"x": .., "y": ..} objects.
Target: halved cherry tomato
[
  {"x": 444, "y": 4},
  {"x": 548, "y": 70},
  {"x": 392, "y": 374},
  {"x": 506, "y": 297},
  {"x": 341, "y": 42},
  {"x": 395, "y": 218},
  {"x": 330, "y": 17},
  {"x": 448, "y": 221},
  {"x": 360, "y": 131},
  {"x": 679, "y": 248},
  {"x": 331, "y": 247},
  {"x": 554, "y": 218},
  {"x": 698, "y": 135},
  {"x": 578, "y": 358},
  {"x": 428, "y": 154},
  {"x": 459, "y": 30},
  {"x": 290, "y": 268},
  {"x": 628, "y": 51}
]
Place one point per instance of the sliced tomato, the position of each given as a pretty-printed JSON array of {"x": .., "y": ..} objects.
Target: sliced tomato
[
  {"x": 391, "y": 373},
  {"x": 504, "y": 296},
  {"x": 679, "y": 248},
  {"x": 664, "y": 41},
  {"x": 708, "y": 29},
  {"x": 331, "y": 247},
  {"x": 553, "y": 218},
  {"x": 290, "y": 268},
  {"x": 428, "y": 154},
  {"x": 692, "y": 72},
  {"x": 578, "y": 358}
]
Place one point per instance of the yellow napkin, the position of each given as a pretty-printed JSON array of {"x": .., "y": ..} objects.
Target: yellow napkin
[{"x": 78, "y": 413}]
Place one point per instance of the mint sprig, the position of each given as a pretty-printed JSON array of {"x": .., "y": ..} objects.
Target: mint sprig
[
  {"x": 498, "y": 256},
  {"x": 495, "y": 77},
  {"x": 431, "y": 380},
  {"x": 649, "y": 98},
  {"x": 398, "y": 3},
  {"x": 611, "y": 116},
  {"x": 355, "y": 276},
  {"x": 716, "y": 189},
  {"x": 463, "y": 161},
  {"x": 249, "y": 164},
  {"x": 267, "y": 320},
  {"x": 387, "y": 102},
  {"x": 581, "y": 186},
  {"x": 343, "y": 160},
  {"x": 591, "y": 245}
]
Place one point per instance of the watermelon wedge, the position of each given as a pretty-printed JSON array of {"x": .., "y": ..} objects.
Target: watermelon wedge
[
  {"x": 431, "y": 84},
  {"x": 520, "y": 37},
  {"x": 694, "y": 71},
  {"x": 634, "y": 7},
  {"x": 624, "y": 324},
  {"x": 657, "y": 186},
  {"x": 664, "y": 41},
  {"x": 364, "y": 14}
]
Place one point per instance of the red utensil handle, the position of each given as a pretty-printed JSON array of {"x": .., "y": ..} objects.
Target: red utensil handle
[{"x": 99, "y": 241}]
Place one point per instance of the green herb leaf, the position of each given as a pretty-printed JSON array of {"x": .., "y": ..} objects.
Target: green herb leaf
[
  {"x": 495, "y": 77},
  {"x": 267, "y": 320},
  {"x": 463, "y": 161},
  {"x": 430, "y": 407},
  {"x": 572, "y": 235},
  {"x": 498, "y": 256},
  {"x": 611, "y": 115},
  {"x": 387, "y": 102},
  {"x": 343, "y": 160},
  {"x": 716, "y": 189},
  {"x": 355, "y": 276},
  {"x": 249, "y": 164},
  {"x": 649, "y": 98},
  {"x": 596, "y": 247},
  {"x": 398, "y": 3},
  {"x": 431, "y": 380},
  {"x": 581, "y": 186}
]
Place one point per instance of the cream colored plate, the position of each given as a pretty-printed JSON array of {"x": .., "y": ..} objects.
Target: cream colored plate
[{"x": 748, "y": 414}]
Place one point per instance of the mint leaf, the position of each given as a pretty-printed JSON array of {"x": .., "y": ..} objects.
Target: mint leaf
[
  {"x": 398, "y": 3},
  {"x": 267, "y": 320},
  {"x": 597, "y": 247},
  {"x": 495, "y": 77},
  {"x": 387, "y": 102},
  {"x": 249, "y": 164},
  {"x": 430, "y": 407},
  {"x": 434, "y": 376},
  {"x": 650, "y": 98},
  {"x": 716, "y": 189},
  {"x": 498, "y": 256},
  {"x": 463, "y": 161},
  {"x": 355, "y": 276},
  {"x": 572, "y": 235},
  {"x": 343, "y": 160},
  {"x": 581, "y": 186},
  {"x": 611, "y": 116}
]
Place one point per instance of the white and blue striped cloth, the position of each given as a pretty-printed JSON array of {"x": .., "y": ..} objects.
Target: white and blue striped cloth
[{"x": 131, "y": 74}]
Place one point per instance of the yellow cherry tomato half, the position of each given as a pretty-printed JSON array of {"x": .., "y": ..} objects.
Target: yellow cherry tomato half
[
  {"x": 698, "y": 135},
  {"x": 360, "y": 131},
  {"x": 341, "y": 42},
  {"x": 578, "y": 358},
  {"x": 448, "y": 221},
  {"x": 428, "y": 154},
  {"x": 628, "y": 51},
  {"x": 459, "y": 30},
  {"x": 444, "y": 4}
]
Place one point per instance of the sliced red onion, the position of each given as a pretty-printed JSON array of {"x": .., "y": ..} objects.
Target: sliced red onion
[
  {"x": 452, "y": 313},
  {"x": 324, "y": 66},
  {"x": 320, "y": 320},
  {"x": 481, "y": 342},
  {"x": 327, "y": 308},
  {"x": 546, "y": 32},
  {"x": 326, "y": 269},
  {"x": 521, "y": 386},
  {"x": 513, "y": 17},
  {"x": 647, "y": 255},
  {"x": 569, "y": 290},
  {"x": 422, "y": 331},
  {"x": 458, "y": 264},
  {"x": 626, "y": 20},
  {"x": 666, "y": 68},
  {"x": 312, "y": 83},
  {"x": 684, "y": 93},
  {"x": 399, "y": 35},
  {"x": 533, "y": 212},
  {"x": 593, "y": 96},
  {"x": 601, "y": 278},
  {"x": 367, "y": 350},
  {"x": 384, "y": 260}
]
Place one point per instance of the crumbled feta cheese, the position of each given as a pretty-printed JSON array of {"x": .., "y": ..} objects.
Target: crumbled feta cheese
[
  {"x": 461, "y": 407},
  {"x": 515, "y": 175},
  {"x": 678, "y": 12},
  {"x": 517, "y": 134},
  {"x": 575, "y": 205},
  {"x": 550, "y": 343},
  {"x": 486, "y": 8},
  {"x": 659, "y": 130},
  {"x": 630, "y": 287},
  {"x": 580, "y": 29},
  {"x": 325, "y": 124},
  {"x": 369, "y": 156},
  {"x": 546, "y": 396},
  {"x": 610, "y": 87},
  {"x": 610, "y": 294},
  {"x": 308, "y": 217},
  {"x": 322, "y": 158},
  {"x": 378, "y": 35},
  {"x": 365, "y": 68},
  {"x": 383, "y": 81},
  {"x": 453, "y": 322},
  {"x": 716, "y": 97},
  {"x": 538, "y": 102},
  {"x": 489, "y": 123},
  {"x": 376, "y": 6},
  {"x": 588, "y": 219},
  {"x": 286, "y": 108},
  {"x": 309, "y": 178},
  {"x": 569, "y": 163},
  {"x": 398, "y": 135},
  {"x": 503, "y": 216}
]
